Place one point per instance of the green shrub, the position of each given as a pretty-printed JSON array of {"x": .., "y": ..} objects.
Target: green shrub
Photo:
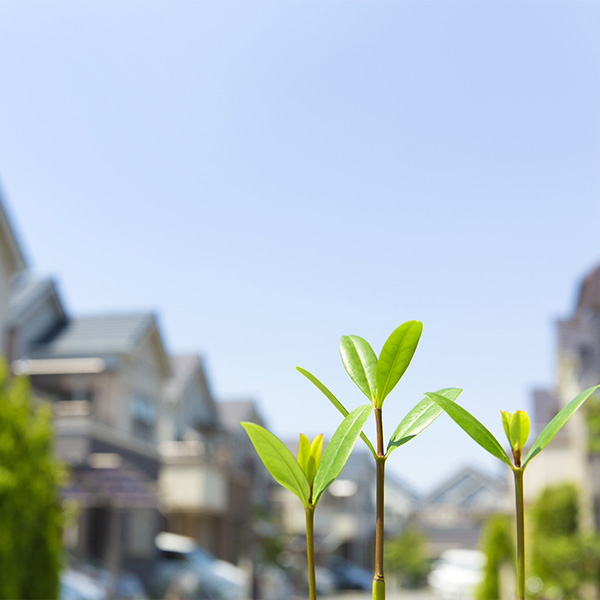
[
  {"x": 406, "y": 557},
  {"x": 30, "y": 515},
  {"x": 498, "y": 546},
  {"x": 562, "y": 557}
]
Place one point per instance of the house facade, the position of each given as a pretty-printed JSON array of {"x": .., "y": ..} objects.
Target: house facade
[
  {"x": 571, "y": 457},
  {"x": 452, "y": 515},
  {"x": 211, "y": 478},
  {"x": 104, "y": 376}
]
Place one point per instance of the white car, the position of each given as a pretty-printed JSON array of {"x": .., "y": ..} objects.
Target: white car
[
  {"x": 75, "y": 585},
  {"x": 457, "y": 573},
  {"x": 186, "y": 570}
]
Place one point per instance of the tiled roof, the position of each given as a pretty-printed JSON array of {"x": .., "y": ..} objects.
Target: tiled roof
[
  {"x": 589, "y": 295},
  {"x": 97, "y": 336},
  {"x": 232, "y": 412},
  {"x": 182, "y": 369},
  {"x": 26, "y": 293}
]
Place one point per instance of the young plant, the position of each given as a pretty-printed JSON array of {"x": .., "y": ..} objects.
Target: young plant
[
  {"x": 312, "y": 473},
  {"x": 376, "y": 378},
  {"x": 516, "y": 427}
]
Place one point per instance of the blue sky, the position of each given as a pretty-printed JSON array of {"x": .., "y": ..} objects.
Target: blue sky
[{"x": 268, "y": 176}]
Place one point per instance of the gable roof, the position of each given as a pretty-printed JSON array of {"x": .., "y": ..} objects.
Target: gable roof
[
  {"x": 232, "y": 412},
  {"x": 97, "y": 336},
  {"x": 465, "y": 487},
  {"x": 589, "y": 293},
  {"x": 27, "y": 294},
  {"x": 183, "y": 369}
]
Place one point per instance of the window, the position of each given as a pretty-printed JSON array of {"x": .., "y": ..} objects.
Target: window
[{"x": 143, "y": 417}]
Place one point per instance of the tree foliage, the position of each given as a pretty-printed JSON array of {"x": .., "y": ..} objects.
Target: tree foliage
[
  {"x": 406, "y": 557},
  {"x": 498, "y": 546},
  {"x": 562, "y": 557},
  {"x": 30, "y": 515}
]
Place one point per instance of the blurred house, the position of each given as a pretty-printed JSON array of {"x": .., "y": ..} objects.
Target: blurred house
[
  {"x": 572, "y": 456},
  {"x": 249, "y": 500},
  {"x": 346, "y": 514},
  {"x": 104, "y": 376},
  {"x": 452, "y": 515},
  {"x": 12, "y": 261},
  {"x": 208, "y": 480}
]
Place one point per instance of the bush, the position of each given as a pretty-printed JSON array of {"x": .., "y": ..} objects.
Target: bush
[
  {"x": 562, "y": 557},
  {"x": 498, "y": 546},
  {"x": 30, "y": 515},
  {"x": 406, "y": 557}
]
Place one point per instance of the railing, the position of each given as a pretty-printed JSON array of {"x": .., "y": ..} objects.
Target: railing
[{"x": 72, "y": 408}]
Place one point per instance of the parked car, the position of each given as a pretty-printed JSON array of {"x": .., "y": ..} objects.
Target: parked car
[
  {"x": 75, "y": 585},
  {"x": 457, "y": 573},
  {"x": 184, "y": 570},
  {"x": 349, "y": 576}
]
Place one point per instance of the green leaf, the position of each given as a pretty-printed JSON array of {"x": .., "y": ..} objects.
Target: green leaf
[
  {"x": 304, "y": 454},
  {"x": 506, "y": 424},
  {"x": 395, "y": 357},
  {"x": 338, "y": 450},
  {"x": 519, "y": 429},
  {"x": 314, "y": 458},
  {"x": 361, "y": 363},
  {"x": 558, "y": 423},
  {"x": 335, "y": 402},
  {"x": 280, "y": 462},
  {"x": 420, "y": 417},
  {"x": 472, "y": 427}
]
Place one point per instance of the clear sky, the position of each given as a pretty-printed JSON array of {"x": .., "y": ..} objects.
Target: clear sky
[{"x": 268, "y": 176}]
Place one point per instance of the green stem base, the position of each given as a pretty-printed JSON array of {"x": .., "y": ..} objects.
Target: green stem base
[{"x": 378, "y": 589}]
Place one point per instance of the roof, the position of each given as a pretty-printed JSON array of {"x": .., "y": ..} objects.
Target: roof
[
  {"x": 25, "y": 293},
  {"x": 464, "y": 487},
  {"x": 183, "y": 369},
  {"x": 589, "y": 294},
  {"x": 232, "y": 412},
  {"x": 97, "y": 336}
]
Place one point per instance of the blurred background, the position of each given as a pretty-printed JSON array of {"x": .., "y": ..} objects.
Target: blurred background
[{"x": 199, "y": 196}]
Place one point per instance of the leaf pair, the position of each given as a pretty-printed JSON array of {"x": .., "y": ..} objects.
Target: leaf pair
[
  {"x": 516, "y": 426},
  {"x": 376, "y": 378},
  {"x": 418, "y": 418},
  {"x": 308, "y": 477}
]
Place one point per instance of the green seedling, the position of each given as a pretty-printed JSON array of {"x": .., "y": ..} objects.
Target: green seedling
[
  {"x": 516, "y": 427},
  {"x": 308, "y": 476},
  {"x": 376, "y": 378}
]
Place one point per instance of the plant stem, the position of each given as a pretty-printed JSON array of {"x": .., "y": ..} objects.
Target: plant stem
[
  {"x": 518, "y": 471},
  {"x": 310, "y": 551},
  {"x": 379, "y": 579}
]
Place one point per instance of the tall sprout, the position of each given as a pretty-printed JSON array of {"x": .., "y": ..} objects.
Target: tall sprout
[
  {"x": 376, "y": 377},
  {"x": 517, "y": 427}
]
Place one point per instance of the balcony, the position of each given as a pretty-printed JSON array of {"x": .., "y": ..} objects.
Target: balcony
[{"x": 190, "y": 480}]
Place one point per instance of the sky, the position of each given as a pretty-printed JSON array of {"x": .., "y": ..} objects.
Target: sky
[{"x": 269, "y": 176}]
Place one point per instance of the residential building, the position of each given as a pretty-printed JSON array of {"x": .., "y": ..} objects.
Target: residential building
[
  {"x": 211, "y": 479},
  {"x": 104, "y": 376},
  {"x": 570, "y": 456},
  {"x": 249, "y": 480},
  {"x": 193, "y": 480},
  {"x": 451, "y": 516}
]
